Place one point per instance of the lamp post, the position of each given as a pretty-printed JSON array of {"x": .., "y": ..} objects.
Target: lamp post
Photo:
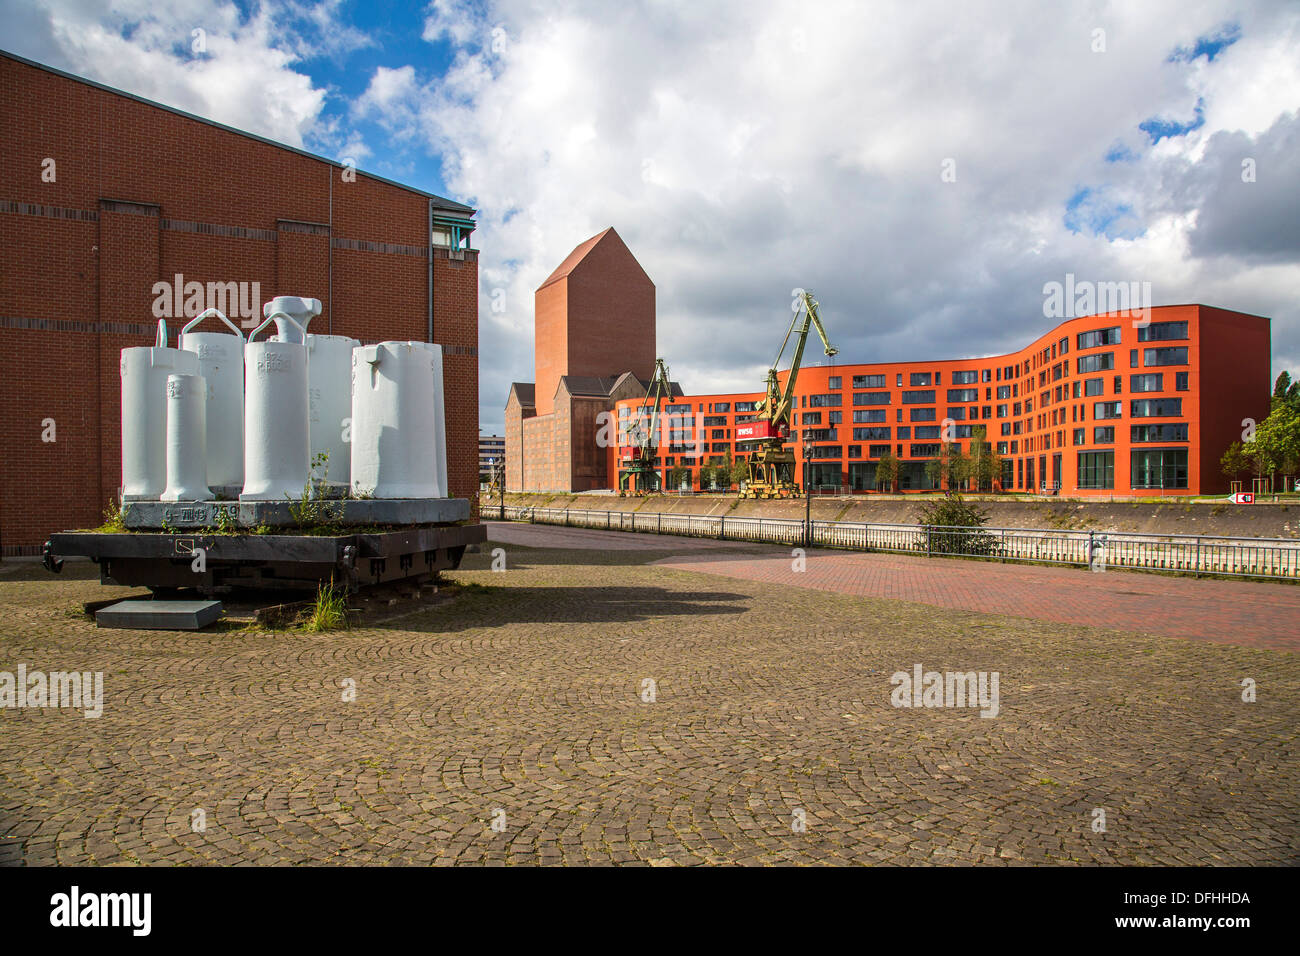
[
  {"x": 497, "y": 471},
  {"x": 807, "y": 492}
]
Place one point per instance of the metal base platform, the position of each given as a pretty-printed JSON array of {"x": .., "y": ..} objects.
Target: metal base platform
[
  {"x": 220, "y": 563},
  {"x": 364, "y": 512}
]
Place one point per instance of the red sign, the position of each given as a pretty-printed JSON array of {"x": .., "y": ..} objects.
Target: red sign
[
  {"x": 1242, "y": 498},
  {"x": 758, "y": 431}
]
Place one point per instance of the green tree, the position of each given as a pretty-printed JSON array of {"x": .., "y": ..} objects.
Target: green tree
[
  {"x": 706, "y": 476},
  {"x": 986, "y": 463},
  {"x": 887, "y": 471},
  {"x": 726, "y": 472},
  {"x": 951, "y": 469},
  {"x": 676, "y": 475},
  {"x": 739, "y": 473},
  {"x": 1234, "y": 461},
  {"x": 936, "y": 471},
  {"x": 1286, "y": 390},
  {"x": 1277, "y": 438},
  {"x": 1257, "y": 458},
  {"x": 960, "y": 467}
]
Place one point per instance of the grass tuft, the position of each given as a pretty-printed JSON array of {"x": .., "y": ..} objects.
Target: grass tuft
[{"x": 330, "y": 612}]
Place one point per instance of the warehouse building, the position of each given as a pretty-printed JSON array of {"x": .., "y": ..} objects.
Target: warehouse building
[
  {"x": 594, "y": 345},
  {"x": 1100, "y": 405},
  {"x": 115, "y": 210}
]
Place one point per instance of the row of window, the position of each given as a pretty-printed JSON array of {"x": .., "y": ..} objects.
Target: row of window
[
  {"x": 1148, "y": 468},
  {"x": 1105, "y": 434},
  {"x": 907, "y": 432},
  {"x": 1151, "y": 332},
  {"x": 1164, "y": 468},
  {"x": 1101, "y": 411},
  {"x": 915, "y": 379},
  {"x": 1105, "y": 361}
]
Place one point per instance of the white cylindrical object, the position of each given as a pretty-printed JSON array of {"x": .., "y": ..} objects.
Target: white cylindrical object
[
  {"x": 393, "y": 432},
  {"x": 221, "y": 363},
  {"x": 329, "y": 377},
  {"x": 144, "y": 414},
  {"x": 276, "y": 449},
  {"x": 297, "y": 310},
  {"x": 187, "y": 470},
  {"x": 439, "y": 421}
]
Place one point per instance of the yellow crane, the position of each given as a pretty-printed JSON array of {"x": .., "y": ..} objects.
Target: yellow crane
[
  {"x": 638, "y": 476},
  {"x": 770, "y": 464}
]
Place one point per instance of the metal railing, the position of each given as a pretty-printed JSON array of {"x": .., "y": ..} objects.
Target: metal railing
[{"x": 1208, "y": 555}]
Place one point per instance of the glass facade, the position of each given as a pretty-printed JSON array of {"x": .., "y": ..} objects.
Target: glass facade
[
  {"x": 1159, "y": 468},
  {"x": 1156, "y": 407},
  {"x": 1096, "y": 469},
  {"x": 1162, "y": 332},
  {"x": 1100, "y": 362},
  {"x": 1176, "y": 355}
]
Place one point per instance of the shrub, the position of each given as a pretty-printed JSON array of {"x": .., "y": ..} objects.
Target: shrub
[{"x": 953, "y": 526}]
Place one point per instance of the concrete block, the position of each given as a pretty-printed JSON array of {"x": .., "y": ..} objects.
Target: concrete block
[{"x": 159, "y": 615}]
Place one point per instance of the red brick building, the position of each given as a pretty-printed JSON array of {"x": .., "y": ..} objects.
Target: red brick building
[
  {"x": 104, "y": 194},
  {"x": 1098, "y": 405},
  {"x": 594, "y": 345}
]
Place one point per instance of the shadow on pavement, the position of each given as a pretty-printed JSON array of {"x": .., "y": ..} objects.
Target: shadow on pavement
[
  {"x": 487, "y": 607},
  {"x": 520, "y": 557}
]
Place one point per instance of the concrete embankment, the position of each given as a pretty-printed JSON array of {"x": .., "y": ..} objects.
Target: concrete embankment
[{"x": 1171, "y": 516}]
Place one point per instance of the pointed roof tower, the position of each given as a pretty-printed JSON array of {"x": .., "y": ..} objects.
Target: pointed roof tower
[{"x": 595, "y": 316}]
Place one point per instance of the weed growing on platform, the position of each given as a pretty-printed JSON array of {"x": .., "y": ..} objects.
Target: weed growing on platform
[{"x": 113, "y": 523}]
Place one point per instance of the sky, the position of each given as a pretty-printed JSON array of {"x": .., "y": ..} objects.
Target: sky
[{"x": 924, "y": 168}]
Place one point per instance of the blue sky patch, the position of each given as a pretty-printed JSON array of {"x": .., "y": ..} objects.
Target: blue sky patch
[
  {"x": 1092, "y": 211},
  {"x": 1119, "y": 153},
  {"x": 1159, "y": 128},
  {"x": 1208, "y": 46}
]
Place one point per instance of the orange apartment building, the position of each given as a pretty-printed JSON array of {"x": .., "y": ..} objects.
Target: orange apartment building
[{"x": 1100, "y": 405}]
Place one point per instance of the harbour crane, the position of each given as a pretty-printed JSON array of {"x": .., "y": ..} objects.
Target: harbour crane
[
  {"x": 770, "y": 464},
  {"x": 638, "y": 476}
]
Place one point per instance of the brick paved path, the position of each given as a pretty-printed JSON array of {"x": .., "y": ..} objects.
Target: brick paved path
[
  {"x": 770, "y": 737},
  {"x": 1253, "y": 614},
  {"x": 1230, "y": 612}
]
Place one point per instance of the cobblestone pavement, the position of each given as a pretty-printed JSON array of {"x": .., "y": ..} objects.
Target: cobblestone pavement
[
  {"x": 1250, "y": 613},
  {"x": 767, "y": 736}
]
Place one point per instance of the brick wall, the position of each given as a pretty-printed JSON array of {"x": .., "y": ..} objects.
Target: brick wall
[
  {"x": 611, "y": 314},
  {"x": 141, "y": 193},
  {"x": 550, "y": 342}
]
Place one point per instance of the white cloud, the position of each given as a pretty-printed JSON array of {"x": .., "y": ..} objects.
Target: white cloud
[
  {"x": 198, "y": 56},
  {"x": 458, "y": 20},
  {"x": 743, "y": 149},
  {"x": 392, "y": 98}
]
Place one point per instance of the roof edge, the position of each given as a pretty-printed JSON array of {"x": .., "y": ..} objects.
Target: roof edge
[{"x": 449, "y": 205}]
